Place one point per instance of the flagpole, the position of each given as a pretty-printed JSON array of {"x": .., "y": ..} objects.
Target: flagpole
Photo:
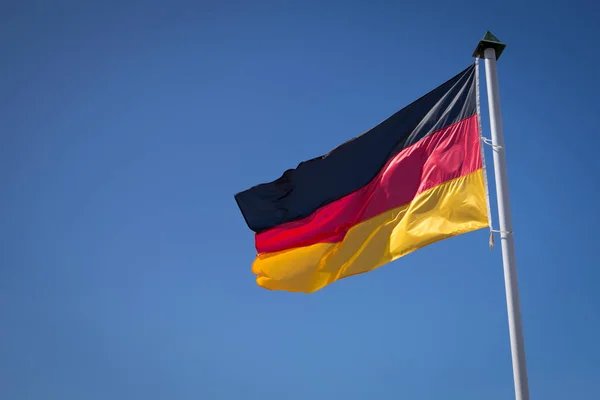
[{"x": 491, "y": 49}]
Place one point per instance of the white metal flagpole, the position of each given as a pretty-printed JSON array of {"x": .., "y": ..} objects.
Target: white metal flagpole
[{"x": 491, "y": 48}]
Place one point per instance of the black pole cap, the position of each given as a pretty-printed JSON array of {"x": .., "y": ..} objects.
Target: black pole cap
[{"x": 489, "y": 40}]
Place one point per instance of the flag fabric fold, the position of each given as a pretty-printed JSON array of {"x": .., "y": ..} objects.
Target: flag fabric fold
[{"x": 412, "y": 180}]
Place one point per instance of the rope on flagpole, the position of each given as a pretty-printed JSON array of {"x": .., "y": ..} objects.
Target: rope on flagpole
[
  {"x": 483, "y": 140},
  {"x": 490, "y": 143}
]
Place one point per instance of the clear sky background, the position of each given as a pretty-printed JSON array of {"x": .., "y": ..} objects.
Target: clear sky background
[{"x": 127, "y": 127}]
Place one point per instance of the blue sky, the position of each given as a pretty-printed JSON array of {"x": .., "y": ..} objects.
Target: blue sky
[{"x": 128, "y": 126}]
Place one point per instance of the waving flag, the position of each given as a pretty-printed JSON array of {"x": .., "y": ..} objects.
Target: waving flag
[{"x": 412, "y": 180}]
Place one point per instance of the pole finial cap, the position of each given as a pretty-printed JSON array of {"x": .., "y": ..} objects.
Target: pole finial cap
[{"x": 489, "y": 40}]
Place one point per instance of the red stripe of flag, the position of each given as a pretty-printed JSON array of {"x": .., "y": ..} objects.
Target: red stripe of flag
[{"x": 442, "y": 156}]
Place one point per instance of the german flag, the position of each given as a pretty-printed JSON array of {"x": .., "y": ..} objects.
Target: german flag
[{"x": 412, "y": 180}]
